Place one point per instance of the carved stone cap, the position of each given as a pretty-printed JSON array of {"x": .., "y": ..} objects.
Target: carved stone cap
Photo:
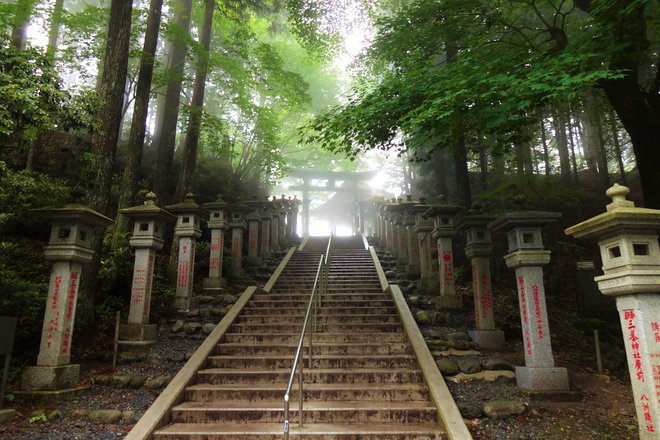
[
  {"x": 73, "y": 212},
  {"x": 621, "y": 216},
  {"x": 514, "y": 219},
  {"x": 188, "y": 206},
  {"x": 148, "y": 210},
  {"x": 218, "y": 203}
]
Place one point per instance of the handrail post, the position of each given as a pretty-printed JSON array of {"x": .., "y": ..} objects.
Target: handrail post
[
  {"x": 286, "y": 417},
  {"x": 300, "y": 394}
]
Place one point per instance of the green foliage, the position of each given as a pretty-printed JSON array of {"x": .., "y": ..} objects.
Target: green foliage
[
  {"x": 21, "y": 191},
  {"x": 41, "y": 417}
]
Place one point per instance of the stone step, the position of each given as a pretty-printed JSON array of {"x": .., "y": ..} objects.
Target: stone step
[
  {"x": 318, "y": 375},
  {"x": 321, "y": 319},
  {"x": 321, "y": 348},
  {"x": 326, "y": 301},
  {"x": 322, "y": 310},
  {"x": 309, "y": 431},
  {"x": 200, "y": 393},
  {"x": 330, "y": 296},
  {"x": 318, "y": 361},
  {"x": 314, "y": 412},
  {"x": 254, "y": 338},
  {"x": 322, "y": 327}
]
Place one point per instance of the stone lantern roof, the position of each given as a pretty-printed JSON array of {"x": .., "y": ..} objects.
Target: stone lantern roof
[
  {"x": 442, "y": 208},
  {"x": 75, "y": 212},
  {"x": 218, "y": 203},
  {"x": 148, "y": 210},
  {"x": 516, "y": 219},
  {"x": 621, "y": 216},
  {"x": 188, "y": 206}
]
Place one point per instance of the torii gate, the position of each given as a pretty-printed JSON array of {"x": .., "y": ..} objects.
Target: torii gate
[{"x": 329, "y": 181}]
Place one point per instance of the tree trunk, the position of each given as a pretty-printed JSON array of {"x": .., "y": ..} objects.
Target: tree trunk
[
  {"x": 637, "y": 106},
  {"x": 544, "y": 141},
  {"x": 189, "y": 160},
  {"x": 464, "y": 194},
  {"x": 138, "y": 123},
  {"x": 166, "y": 136},
  {"x": 617, "y": 148},
  {"x": 104, "y": 142},
  {"x": 562, "y": 145},
  {"x": 595, "y": 139},
  {"x": 54, "y": 31},
  {"x": 571, "y": 141},
  {"x": 21, "y": 22}
]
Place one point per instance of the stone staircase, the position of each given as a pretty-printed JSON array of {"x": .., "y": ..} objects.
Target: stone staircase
[{"x": 364, "y": 382}]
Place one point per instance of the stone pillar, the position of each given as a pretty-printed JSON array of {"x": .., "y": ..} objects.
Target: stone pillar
[
  {"x": 253, "y": 257},
  {"x": 479, "y": 250},
  {"x": 147, "y": 238},
  {"x": 443, "y": 232},
  {"x": 275, "y": 226},
  {"x": 305, "y": 209},
  {"x": 423, "y": 227},
  {"x": 282, "y": 237},
  {"x": 265, "y": 230},
  {"x": 527, "y": 256},
  {"x": 188, "y": 230},
  {"x": 215, "y": 282},
  {"x": 628, "y": 241},
  {"x": 70, "y": 247},
  {"x": 237, "y": 227},
  {"x": 401, "y": 241},
  {"x": 294, "y": 220}
]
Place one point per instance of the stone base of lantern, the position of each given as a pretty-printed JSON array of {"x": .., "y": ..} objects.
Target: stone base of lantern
[
  {"x": 427, "y": 285},
  {"x": 488, "y": 339},
  {"x": 449, "y": 302},
  {"x": 412, "y": 270},
  {"x": 62, "y": 377},
  {"x": 146, "y": 333},
  {"x": 211, "y": 285},
  {"x": 542, "y": 378}
]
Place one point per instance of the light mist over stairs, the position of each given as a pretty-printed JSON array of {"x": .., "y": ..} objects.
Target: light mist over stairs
[{"x": 364, "y": 381}]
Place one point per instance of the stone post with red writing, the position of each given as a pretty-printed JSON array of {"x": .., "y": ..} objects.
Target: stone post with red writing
[
  {"x": 188, "y": 230},
  {"x": 70, "y": 246},
  {"x": 628, "y": 241},
  {"x": 443, "y": 232},
  {"x": 275, "y": 225},
  {"x": 265, "y": 228},
  {"x": 253, "y": 219},
  {"x": 281, "y": 225},
  {"x": 147, "y": 239},
  {"x": 292, "y": 224},
  {"x": 412, "y": 248},
  {"x": 479, "y": 250},
  {"x": 238, "y": 227},
  {"x": 527, "y": 256},
  {"x": 215, "y": 282},
  {"x": 428, "y": 281}
]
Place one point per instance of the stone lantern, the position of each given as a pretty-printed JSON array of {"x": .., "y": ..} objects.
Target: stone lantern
[
  {"x": 218, "y": 226},
  {"x": 292, "y": 225},
  {"x": 266, "y": 217},
  {"x": 70, "y": 246},
  {"x": 188, "y": 230},
  {"x": 479, "y": 250},
  {"x": 527, "y": 256},
  {"x": 284, "y": 209},
  {"x": 147, "y": 239},
  {"x": 253, "y": 218},
  {"x": 237, "y": 226},
  {"x": 443, "y": 231},
  {"x": 628, "y": 241},
  {"x": 423, "y": 228},
  {"x": 409, "y": 247},
  {"x": 275, "y": 208}
]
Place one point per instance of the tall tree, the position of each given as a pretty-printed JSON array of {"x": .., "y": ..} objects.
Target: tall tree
[
  {"x": 168, "y": 114},
  {"x": 54, "y": 30},
  {"x": 21, "y": 21},
  {"x": 140, "y": 110},
  {"x": 104, "y": 142},
  {"x": 191, "y": 143}
]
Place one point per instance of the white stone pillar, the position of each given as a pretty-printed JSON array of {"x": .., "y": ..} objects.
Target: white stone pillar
[
  {"x": 527, "y": 256},
  {"x": 265, "y": 233},
  {"x": 253, "y": 257},
  {"x": 215, "y": 282},
  {"x": 70, "y": 247},
  {"x": 188, "y": 230},
  {"x": 628, "y": 241},
  {"x": 237, "y": 227},
  {"x": 479, "y": 250}
]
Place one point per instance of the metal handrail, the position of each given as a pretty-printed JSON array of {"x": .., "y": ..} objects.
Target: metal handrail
[
  {"x": 296, "y": 360},
  {"x": 320, "y": 287}
]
